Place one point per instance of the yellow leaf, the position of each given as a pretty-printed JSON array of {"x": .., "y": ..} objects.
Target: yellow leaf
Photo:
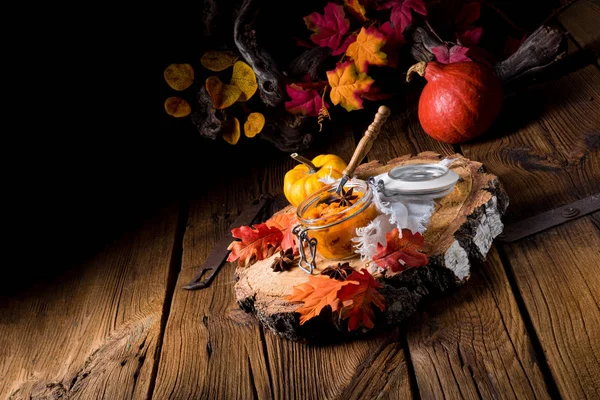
[
  {"x": 367, "y": 49},
  {"x": 356, "y": 9},
  {"x": 177, "y": 107},
  {"x": 222, "y": 94},
  {"x": 347, "y": 85},
  {"x": 232, "y": 132},
  {"x": 254, "y": 124},
  {"x": 179, "y": 76},
  {"x": 244, "y": 78},
  {"x": 218, "y": 60}
]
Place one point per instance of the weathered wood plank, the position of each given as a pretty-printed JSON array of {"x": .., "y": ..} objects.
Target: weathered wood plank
[
  {"x": 547, "y": 162},
  {"x": 545, "y": 145},
  {"x": 474, "y": 342},
  {"x": 212, "y": 349},
  {"x": 92, "y": 333},
  {"x": 557, "y": 275},
  {"x": 582, "y": 20}
]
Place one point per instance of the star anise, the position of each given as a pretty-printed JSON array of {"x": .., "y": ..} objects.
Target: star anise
[
  {"x": 339, "y": 272},
  {"x": 284, "y": 261},
  {"x": 346, "y": 198}
]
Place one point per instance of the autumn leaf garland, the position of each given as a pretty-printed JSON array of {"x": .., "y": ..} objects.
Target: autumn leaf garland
[{"x": 368, "y": 46}]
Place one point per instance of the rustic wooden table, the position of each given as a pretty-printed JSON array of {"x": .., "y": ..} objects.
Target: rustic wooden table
[{"x": 527, "y": 324}]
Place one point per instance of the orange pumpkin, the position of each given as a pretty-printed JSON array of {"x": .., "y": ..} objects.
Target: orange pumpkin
[
  {"x": 460, "y": 101},
  {"x": 305, "y": 179}
]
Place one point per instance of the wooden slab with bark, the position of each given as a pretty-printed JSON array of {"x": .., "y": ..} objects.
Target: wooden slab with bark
[{"x": 460, "y": 234}]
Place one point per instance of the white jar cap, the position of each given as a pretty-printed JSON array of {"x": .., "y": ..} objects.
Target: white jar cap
[{"x": 434, "y": 180}]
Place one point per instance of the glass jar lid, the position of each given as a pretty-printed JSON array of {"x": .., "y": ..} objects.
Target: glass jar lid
[{"x": 418, "y": 179}]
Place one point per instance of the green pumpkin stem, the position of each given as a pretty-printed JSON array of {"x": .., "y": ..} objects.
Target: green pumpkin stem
[
  {"x": 419, "y": 68},
  {"x": 311, "y": 167}
]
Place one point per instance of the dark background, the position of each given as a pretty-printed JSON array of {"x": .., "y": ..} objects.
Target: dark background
[{"x": 97, "y": 168}]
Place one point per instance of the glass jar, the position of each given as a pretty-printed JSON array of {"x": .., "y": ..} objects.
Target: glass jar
[{"x": 329, "y": 226}]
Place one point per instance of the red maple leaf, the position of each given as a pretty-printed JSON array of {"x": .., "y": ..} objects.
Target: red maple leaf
[
  {"x": 345, "y": 44},
  {"x": 285, "y": 223},
  {"x": 401, "y": 253},
  {"x": 357, "y": 298},
  {"x": 394, "y": 40},
  {"x": 401, "y": 15},
  {"x": 470, "y": 36},
  {"x": 307, "y": 83},
  {"x": 304, "y": 101},
  {"x": 330, "y": 27},
  {"x": 257, "y": 243},
  {"x": 446, "y": 55}
]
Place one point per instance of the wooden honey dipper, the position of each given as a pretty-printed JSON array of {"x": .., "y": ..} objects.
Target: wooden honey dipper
[{"x": 364, "y": 146}]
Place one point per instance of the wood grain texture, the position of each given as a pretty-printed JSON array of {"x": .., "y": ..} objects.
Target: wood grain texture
[
  {"x": 545, "y": 145},
  {"x": 474, "y": 342},
  {"x": 582, "y": 20},
  {"x": 94, "y": 333},
  {"x": 557, "y": 275},
  {"x": 549, "y": 161},
  {"x": 211, "y": 349}
]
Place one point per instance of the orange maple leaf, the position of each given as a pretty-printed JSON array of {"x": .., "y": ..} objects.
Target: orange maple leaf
[
  {"x": 257, "y": 243},
  {"x": 357, "y": 299},
  {"x": 285, "y": 223},
  {"x": 356, "y": 9},
  {"x": 367, "y": 49},
  {"x": 401, "y": 253},
  {"x": 347, "y": 85},
  {"x": 317, "y": 293}
]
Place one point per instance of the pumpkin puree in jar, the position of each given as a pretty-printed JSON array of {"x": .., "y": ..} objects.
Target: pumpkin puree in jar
[{"x": 335, "y": 242}]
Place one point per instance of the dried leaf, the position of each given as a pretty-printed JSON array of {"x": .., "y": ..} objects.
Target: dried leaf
[
  {"x": 344, "y": 46},
  {"x": 244, "y": 78},
  {"x": 401, "y": 253},
  {"x": 470, "y": 36},
  {"x": 307, "y": 83},
  {"x": 329, "y": 28},
  {"x": 401, "y": 15},
  {"x": 231, "y": 134},
  {"x": 367, "y": 49},
  {"x": 177, "y": 107},
  {"x": 317, "y": 293},
  {"x": 218, "y": 60},
  {"x": 222, "y": 94},
  {"x": 304, "y": 101},
  {"x": 179, "y": 76},
  {"x": 445, "y": 55},
  {"x": 394, "y": 40},
  {"x": 257, "y": 243},
  {"x": 285, "y": 223},
  {"x": 357, "y": 299},
  {"x": 357, "y": 9},
  {"x": 347, "y": 85},
  {"x": 254, "y": 124}
]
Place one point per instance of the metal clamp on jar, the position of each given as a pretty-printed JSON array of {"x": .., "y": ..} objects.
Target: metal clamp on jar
[{"x": 328, "y": 227}]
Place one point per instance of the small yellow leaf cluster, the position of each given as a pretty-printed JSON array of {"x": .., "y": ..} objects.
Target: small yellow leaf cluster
[{"x": 241, "y": 88}]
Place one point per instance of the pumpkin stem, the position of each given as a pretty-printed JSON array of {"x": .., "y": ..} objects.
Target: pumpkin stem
[
  {"x": 311, "y": 167},
  {"x": 419, "y": 68}
]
